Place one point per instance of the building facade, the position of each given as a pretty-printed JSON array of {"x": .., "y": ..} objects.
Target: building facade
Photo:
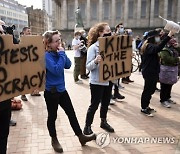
[
  {"x": 139, "y": 15},
  {"x": 38, "y": 20},
  {"x": 133, "y": 13},
  {"x": 13, "y": 13}
]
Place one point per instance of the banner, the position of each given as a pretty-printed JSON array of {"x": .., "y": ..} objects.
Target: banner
[
  {"x": 22, "y": 67},
  {"x": 116, "y": 53}
]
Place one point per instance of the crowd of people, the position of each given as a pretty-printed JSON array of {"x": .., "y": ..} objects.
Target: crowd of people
[{"x": 160, "y": 53}]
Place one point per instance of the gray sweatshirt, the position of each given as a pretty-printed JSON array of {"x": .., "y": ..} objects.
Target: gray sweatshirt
[{"x": 92, "y": 52}]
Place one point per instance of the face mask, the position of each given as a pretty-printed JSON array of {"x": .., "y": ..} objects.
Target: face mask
[
  {"x": 78, "y": 37},
  {"x": 84, "y": 34},
  {"x": 107, "y": 34},
  {"x": 157, "y": 39},
  {"x": 121, "y": 30}
]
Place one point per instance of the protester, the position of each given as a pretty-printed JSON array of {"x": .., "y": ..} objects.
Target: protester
[
  {"x": 76, "y": 44},
  {"x": 100, "y": 91},
  {"x": 5, "y": 115},
  {"x": 168, "y": 71},
  {"x": 27, "y": 31},
  {"x": 150, "y": 67},
  {"x": 83, "y": 55},
  {"x": 55, "y": 92}
]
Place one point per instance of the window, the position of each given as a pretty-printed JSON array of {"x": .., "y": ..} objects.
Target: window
[
  {"x": 106, "y": 10},
  {"x": 143, "y": 9},
  {"x": 170, "y": 2},
  {"x": 118, "y": 9},
  {"x": 131, "y": 9},
  {"x": 156, "y": 8},
  {"x": 94, "y": 10}
]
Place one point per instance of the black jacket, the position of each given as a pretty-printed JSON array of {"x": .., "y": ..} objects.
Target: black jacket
[{"x": 150, "y": 59}]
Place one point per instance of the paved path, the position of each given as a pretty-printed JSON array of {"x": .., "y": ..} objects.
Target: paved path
[{"x": 30, "y": 136}]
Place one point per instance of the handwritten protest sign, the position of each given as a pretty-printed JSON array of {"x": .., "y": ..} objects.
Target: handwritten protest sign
[
  {"x": 116, "y": 52},
  {"x": 22, "y": 67}
]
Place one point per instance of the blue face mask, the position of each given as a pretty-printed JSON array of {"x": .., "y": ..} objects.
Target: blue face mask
[{"x": 121, "y": 30}]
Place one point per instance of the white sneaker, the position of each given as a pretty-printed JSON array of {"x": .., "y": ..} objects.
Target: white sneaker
[
  {"x": 166, "y": 104},
  {"x": 79, "y": 82},
  {"x": 112, "y": 102}
]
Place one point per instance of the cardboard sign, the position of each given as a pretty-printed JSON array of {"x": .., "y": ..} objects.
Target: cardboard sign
[
  {"x": 116, "y": 52},
  {"x": 22, "y": 67}
]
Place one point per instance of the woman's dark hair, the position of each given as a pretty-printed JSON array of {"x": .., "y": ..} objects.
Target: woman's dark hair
[{"x": 151, "y": 40}]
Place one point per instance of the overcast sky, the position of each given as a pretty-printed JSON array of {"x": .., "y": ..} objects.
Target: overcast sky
[{"x": 35, "y": 3}]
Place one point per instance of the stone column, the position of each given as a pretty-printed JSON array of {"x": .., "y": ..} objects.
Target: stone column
[
  {"x": 126, "y": 7},
  {"x": 138, "y": 23},
  {"x": 113, "y": 18},
  {"x": 64, "y": 14},
  {"x": 100, "y": 10},
  {"x": 75, "y": 4},
  {"x": 151, "y": 20},
  {"x": 165, "y": 8},
  {"x": 88, "y": 11},
  {"x": 178, "y": 11}
]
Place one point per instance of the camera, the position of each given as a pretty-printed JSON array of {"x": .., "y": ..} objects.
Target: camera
[{"x": 10, "y": 30}]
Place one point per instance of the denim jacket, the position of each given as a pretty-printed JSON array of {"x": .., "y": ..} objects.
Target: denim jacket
[{"x": 92, "y": 52}]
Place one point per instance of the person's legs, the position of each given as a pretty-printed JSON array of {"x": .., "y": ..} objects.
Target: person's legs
[
  {"x": 104, "y": 108},
  {"x": 77, "y": 62},
  {"x": 83, "y": 67},
  {"x": 149, "y": 89},
  {"x": 164, "y": 92},
  {"x": 66, "y": 104},
  {"x": 105, "y": 100},
  {"x": 96, "y": 96},
  {"x": 5, "y": 116},
  {"x": 52, "y": 100}
]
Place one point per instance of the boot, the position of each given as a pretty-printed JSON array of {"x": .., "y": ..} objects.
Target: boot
[
  {"x": 106, "y": 126},
  {"x": 87, "y": 130},
  {"x": 86, "y": 138},
  {"x": 56, "y": 145}
]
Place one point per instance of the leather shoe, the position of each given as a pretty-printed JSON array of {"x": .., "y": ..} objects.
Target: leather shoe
[
  {"x": 56, "y": 145},
  {"x": 125, "y": 82},
  {"x": 83, "y": 77},
  {"x": 24, "y": 98},
  {"x": 87, "y": 130},
  {"x": 83, "y": 139},
  {"x": 106, "y": 126}
]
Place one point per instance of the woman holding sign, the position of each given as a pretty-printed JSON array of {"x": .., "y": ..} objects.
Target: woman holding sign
[
  {"x": 100, "y": 91},
  {"x": 55, "y": 93}
]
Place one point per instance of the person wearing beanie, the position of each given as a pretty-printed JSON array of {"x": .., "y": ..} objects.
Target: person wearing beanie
[{"x": 151, "y": 67}]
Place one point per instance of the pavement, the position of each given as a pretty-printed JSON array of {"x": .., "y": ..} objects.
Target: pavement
[{"x": 135, "y": 133}]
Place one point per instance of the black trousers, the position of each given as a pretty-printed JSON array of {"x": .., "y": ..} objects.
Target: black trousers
[
  {"x": 5, "y": 116},
  {"x": 99, "y": 94},
  {"x": 149, "y": 89},
  {"x": 52, "y": 102},
  {"x": 165, "y": 93}
]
